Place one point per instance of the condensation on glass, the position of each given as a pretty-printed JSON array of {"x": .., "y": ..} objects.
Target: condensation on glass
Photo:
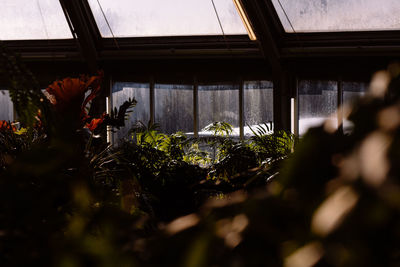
[
  {"x": 6, "y": 106},
  {"x": 317, "y": 102},
  {"x": 352, "y": 92},
  {"x": 32, "y": 19},
  {"x": 338, "y": 15},
  {"x": 258, "y": 105},
  {"x": 174, "y": 107},
  {"x": 135, "y": 18},
  {"x": 218, "y": 103},
  {"x": 121, "y": 92}
]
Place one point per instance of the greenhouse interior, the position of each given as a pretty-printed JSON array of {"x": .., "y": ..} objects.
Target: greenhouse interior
[{"x": 199, "y": 133}]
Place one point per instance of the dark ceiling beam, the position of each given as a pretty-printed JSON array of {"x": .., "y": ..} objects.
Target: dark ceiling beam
[
  {"x": 178, "y": 71},
  {"x": 333, "y": 52},
  {"x": 341, "y": 38},
  {"x": 235, "y": 46},
  {"x": 269, "y": 31},
  {"x": 341, "y": 44},
  {"x": 265, "y": 30},
  {"x": 45, "y": 50},
  {"x": 177, "y": 47},
  {"x": 82, "y": 22}
]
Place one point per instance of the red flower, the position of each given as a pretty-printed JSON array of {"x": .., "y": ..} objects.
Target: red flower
[
  {"x": 94, "y": 124},
  {"x": 68, "y": 95},
  {"x": 7, "y": 126}
]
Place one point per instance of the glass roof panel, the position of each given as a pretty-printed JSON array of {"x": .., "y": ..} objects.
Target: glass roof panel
[
  {"x": 32, "y": 19},
  {"x": 136, "y": 18},
  {"x": 338, "y": 15}
]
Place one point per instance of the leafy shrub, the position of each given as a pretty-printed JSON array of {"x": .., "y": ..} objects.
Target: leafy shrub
[
  {"x": 334, "y": 203},
  {"x": 273, "y": 146}
]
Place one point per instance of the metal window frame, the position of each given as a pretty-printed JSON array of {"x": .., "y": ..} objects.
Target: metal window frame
[
  {"x": 339, "y": 104},
  {"x": 195, "y": 85}
]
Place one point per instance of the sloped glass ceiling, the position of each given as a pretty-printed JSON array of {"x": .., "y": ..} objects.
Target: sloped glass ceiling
[
  {"x": 136, "y": 18},
  {"x": 338, "y": 15},
  {"x": 32, "y": 19}
]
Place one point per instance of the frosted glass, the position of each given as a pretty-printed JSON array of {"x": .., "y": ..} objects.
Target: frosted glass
[
  {"x": 317, "y": 101},
  {"x": 218, "y": 103},
  {"x": 134, "y": 18},
  {"x": 174, "y": 107},
  {"x": 6, "y": 106},
  {"x": 32, "y": 19},
  {"x": 141, "y": 112},
  {"x": 258, "y": 104},
  {"x": 339, "y": 15},
  {"x": 352, "y": 91}
]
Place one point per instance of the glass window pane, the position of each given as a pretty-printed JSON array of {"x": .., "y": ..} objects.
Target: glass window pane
[
  {"x": 33, "y": 19},
  {"x": 219, "y": 103},
  {"x": 141, "y": 112},
  {"x": 134, "y": 18},
  {"x": 174, "y": 107},
  {"x": 317, "y": 101},
  {"x": 6, "y": 106},
  {"x": 258, "y": 104},
  {"x": 338, "y": 15},
  {"x": 352, "y": 91}
]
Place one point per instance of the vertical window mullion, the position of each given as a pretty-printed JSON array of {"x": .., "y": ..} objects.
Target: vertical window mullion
[
  {"x": 340, "y": 104},
  {"x": 109, "y": 102},
  {"x": 195, "y": 107},
  {"x": 152, "y": 100},
  {"x": 295, "y": 114},
  {"x": 241, "y": 108}
]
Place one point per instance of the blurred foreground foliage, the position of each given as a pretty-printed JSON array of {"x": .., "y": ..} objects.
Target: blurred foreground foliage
[{"x": 67, "y": 198}]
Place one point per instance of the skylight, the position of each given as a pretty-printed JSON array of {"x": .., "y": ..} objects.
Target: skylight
[
  {"x": 338, "y": 15},
  {"x": 32, "y": 19},
  {"x": 135, "y": 18}
]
